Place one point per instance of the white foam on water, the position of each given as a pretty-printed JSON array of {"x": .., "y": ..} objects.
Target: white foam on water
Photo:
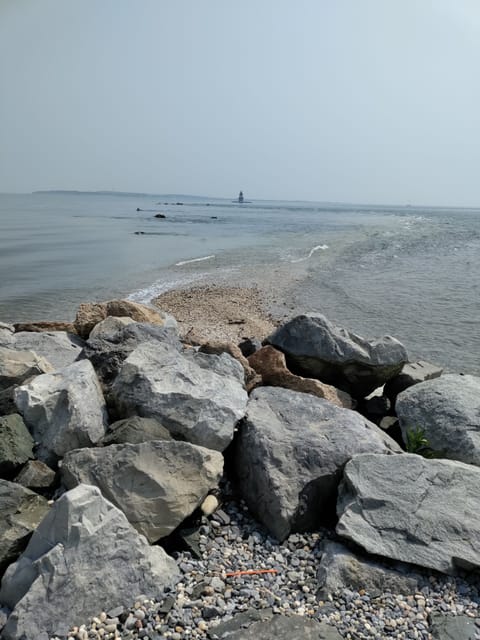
[
  {"x": 182, "y": 262},
  {"x": 319, "y": 247},
  {"x": 146, "y": 294}
]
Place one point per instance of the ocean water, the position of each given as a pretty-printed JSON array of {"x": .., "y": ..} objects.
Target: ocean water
[{"x": 409, "y": 272}]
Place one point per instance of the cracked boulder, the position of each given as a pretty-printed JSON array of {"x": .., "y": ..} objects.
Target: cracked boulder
[
  {"x": 156, "y": 484},
  {"x": 289, "y": 456},
  {"x": 315, "y": 348},
  {"x": 411, "y": 509},
  {"x": 198, "y": 397},
  {"x": 18, "y": 366},
  {"x": 84, "y": 558},
  {"x": 58, "y": 347}
]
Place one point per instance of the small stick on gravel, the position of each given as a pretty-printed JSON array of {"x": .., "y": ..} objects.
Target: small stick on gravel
[{"x": 250, "y": 572}]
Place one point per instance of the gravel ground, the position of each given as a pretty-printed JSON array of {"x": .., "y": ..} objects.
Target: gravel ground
[{"x": 230, "y": 542}]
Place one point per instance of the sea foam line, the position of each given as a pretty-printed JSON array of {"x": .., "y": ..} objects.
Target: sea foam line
[
  {"x": 319, "y": 247},
  {"x": 146, "y": 294},
  {"x": 179, "y": 264}
]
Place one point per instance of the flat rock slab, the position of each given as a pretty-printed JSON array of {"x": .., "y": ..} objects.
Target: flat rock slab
[
  {"x": 278, "y": 627},
  {"x": 453, "y": 628},
  {"x": 447, "y": 409},
  {"x": 156, "y": 484},
  {"x": 135, "y": 430},
  {"x": 340, "y": 569},
  {"x": 64, "y": 410},
  {"x": 290, "y": 453},
  {"x": 21, "y": 511},
  {"x": 316, "y": 348},
  {"x": 198, "y": 397},
  {"x": 420, "y": 511},
  {"x": 16, "y": 444},
  {"x": 84, "y": 558},
  {"x": 58, "y": 347}
]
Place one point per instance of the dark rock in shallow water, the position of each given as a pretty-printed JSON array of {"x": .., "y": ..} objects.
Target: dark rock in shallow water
[
  {"x": 411, "y": 509},
  {"x": 447, "y": 410},
  {"x": 315, "y": 348},
  {"x": 289, "y": 456}
]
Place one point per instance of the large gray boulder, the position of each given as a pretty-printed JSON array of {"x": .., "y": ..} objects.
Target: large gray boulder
[
  {"x": 198, "y": 397},
  {"x": 290, "y": 453},
  {"x": 108, "y": 351},
  {"x": 411, "y": 373},
  {"x": 412, "y": 509},
  {"x": 64, "y": 410},
  {"x": 6, "y": 335},
  {"x": 58, "y": 347},
  {"x": 447, "y": 409},
  {"x": 18, "y": 366},
  {"x": 16, "y": 444},
  {"x": 21, "y": 510},
  {"x": 277, "y": 627},
  {"x": 156, "y": 484},
  {"x": 340, "y": 569},
  {"x": 84, "y": 557},
  {"x": 316, "y": 348}
]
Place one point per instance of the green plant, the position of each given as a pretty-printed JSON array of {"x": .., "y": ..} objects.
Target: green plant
[{"x": 417, "y": 442}]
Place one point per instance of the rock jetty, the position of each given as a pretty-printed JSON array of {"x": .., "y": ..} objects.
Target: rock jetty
[{"x": 152, "y": 485}]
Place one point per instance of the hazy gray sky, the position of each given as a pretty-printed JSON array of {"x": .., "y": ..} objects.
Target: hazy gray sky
[{"x": 347, "y": 100}]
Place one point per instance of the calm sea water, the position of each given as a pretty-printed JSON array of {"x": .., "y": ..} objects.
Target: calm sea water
[{"x": 409, "y": 272}]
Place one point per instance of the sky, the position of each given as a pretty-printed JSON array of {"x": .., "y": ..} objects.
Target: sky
[{"x": 368, "y": 101}]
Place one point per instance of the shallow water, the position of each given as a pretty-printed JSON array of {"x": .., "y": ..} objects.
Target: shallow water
[{"x": 412, "y": 273}]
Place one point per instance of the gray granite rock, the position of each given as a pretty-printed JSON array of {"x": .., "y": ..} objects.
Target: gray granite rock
[
  {"x": 198, "y": 397},
  {"x": 16, "y": 444},
  {"x": 135, "y": 430},
  {"x": 411, "y": 509},
  {"x": 453, "y": 628},
  {"x": 6, "y": 335},
  {"x": 107, "y": 352},
  {"x": 316, "y": 348},
  {"x": 290, "y": 453},
  {"x": 21, "y": 510},
  {"x": 18, "y": 366},
  {"x": 58, "y": 347},
  {"x": 447, "y": 409},
  {"x": 64, "y": 410},
  {"x": 84, "y": 557},
  {"x": 109, "y": 326},
  {"x": 156, "y": 484},
  {"x": 36, "y": 475},
  {"x": 340, "y": 569},
  {"x": 411, "y": 373}
]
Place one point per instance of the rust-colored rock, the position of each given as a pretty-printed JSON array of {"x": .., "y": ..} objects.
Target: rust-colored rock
[
  {"x": 252, "y": 379},
  {"x": 271, "y": 365},
  {"x": 91, "y": 313},
  {"x": 45, "y": 326}
]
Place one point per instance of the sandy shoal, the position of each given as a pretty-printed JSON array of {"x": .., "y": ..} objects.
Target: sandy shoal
[{"x": 216, "y": 312}]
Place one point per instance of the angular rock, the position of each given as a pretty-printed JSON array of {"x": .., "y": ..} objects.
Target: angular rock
[
  {"x": 64, "y": 410},
  {"x": 315, "y": 348},
  {"x": 197, "y": 397},
  {"x": 135, "y": 430},
  {"x": 279, "y": 627},
  {"x": 21, "y": 511},
  {"x": 412, "y": 509},
  {"x": 453, "y": 628},
  {"x": 16, "y": 444},
  {"x": 218, "y": 347},
  {"x": 109, "y": 326},
  {"x": 108, "y": 352},
  {"x": 411, "y": 373},
  {"x": 6, "y": 335},
  {"x": 89, "y": 314},
  {"x": 59, "y": 348},
  {"x": 340, "y": 569},
  {"x": 36, "y": 475},
  {"x": 447, "y": 409},
  {"x": 156, "y": 484},
  {"x": 270, "y": 364},
  {"x": 18, "y": 366},
  {"x": 84, "y": 557},
  {"x": 290, "y": 453}
]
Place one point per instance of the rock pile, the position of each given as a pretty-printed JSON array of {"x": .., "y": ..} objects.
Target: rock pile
[{"x": 135, "y": 438}]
